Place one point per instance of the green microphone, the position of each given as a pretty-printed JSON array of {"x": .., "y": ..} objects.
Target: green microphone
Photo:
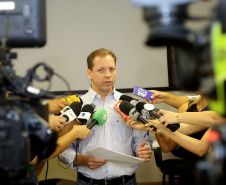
[{"x": 98, "y": 118}]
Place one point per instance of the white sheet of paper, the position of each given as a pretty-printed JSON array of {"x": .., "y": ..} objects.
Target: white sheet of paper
[{"x": 117, "y": 158}]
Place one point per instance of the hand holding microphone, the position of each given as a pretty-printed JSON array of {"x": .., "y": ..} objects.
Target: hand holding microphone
[
  {"x": 169, "y": 118},
  {"x": 56, "y": 123},
  {"x": 149, "y": 111},
  {"x": 81, "y": 131},
  {"x": 98, "y": 118},
  {"x": 130, "y": 110},
  {"x": 56, "y": 105}
]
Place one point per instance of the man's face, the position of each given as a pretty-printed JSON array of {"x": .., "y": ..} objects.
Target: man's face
[{"x": 103, "y": 74}]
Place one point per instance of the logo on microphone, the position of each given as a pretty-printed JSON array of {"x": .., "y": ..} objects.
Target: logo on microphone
[
  {"x": 82, "y": 114},
  {"x": 133, "y": 113},
  {"x": 72, "y": 114},
  {"x": 105, "y": 117}
]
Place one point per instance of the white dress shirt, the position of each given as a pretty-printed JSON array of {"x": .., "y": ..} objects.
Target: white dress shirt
[{"x": 113, "y": 135}]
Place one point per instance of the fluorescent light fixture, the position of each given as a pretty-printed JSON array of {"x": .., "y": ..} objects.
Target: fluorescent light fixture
[{"x": 7, "y": 5}]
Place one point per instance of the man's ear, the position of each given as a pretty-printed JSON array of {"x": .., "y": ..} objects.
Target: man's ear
[{"x": 89, "y": 74}]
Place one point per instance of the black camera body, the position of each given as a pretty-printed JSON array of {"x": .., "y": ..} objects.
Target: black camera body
[
  {"x": 24, "y": 134},
  {"x": 24, "y": 131},
  {"x": 23, "y": 23},
  {"x": 26, "y": 122}
]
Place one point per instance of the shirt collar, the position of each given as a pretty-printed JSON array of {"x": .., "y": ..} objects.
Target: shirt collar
[{"x": 92, "y": 94}]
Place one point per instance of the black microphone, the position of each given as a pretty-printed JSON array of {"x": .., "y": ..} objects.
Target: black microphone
[
  {"x": 71, "y": 113},
  {"x": 131, "y": 100},
  {"x": 86, "y": 113},
  {"x": 130, "y": 110},
  {"x": 148, "y": 110}
]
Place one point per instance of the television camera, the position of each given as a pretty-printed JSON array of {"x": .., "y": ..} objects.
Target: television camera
[{"x": 24, "y": 131}]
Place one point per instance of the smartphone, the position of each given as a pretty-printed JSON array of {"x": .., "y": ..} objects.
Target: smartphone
[{"x": 142, "y": 93}]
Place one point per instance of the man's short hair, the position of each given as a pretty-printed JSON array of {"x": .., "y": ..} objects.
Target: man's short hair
[{"x": 99, "y": 52}]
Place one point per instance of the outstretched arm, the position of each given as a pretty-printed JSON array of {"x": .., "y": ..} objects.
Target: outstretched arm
[
  {"x": 167, "y": 144},
  {"x": 205, "y": 118},
  {"x": 77, "y": 132},
  {"x": 56, "y": 105},
  {"x": 198, "y": 147},
  {"x": 171, "y": 99}
]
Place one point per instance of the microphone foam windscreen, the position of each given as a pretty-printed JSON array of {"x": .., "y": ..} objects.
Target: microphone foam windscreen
[
  {"x": 125, "y": 107},
  {"x": 140, "y": 106},
  {"x": 88, "y": 108},
  {"x": 76, "y": 107},
  {"x": 81, "y": 101},
  {"x": 126, "y": 98}
]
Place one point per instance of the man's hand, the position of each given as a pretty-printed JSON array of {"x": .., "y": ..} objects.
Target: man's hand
[
  {"x": 144, "y": 151},
  {"x": 89, "y": 161},
  {"x": 94, "y": 163},
  {"x": 56, "y": 105}
]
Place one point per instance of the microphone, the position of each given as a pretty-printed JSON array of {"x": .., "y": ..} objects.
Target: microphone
[
  {"x": 131, "y": 100},
  {"x": 116, "y": 107},
  {"x": 148, "y": 110},
  {"x": 99, "y": 118},
  {"x": 70, "y": 113},
  {"x": 130, "y": 110},
  {"x": 86, "y": 113}
]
